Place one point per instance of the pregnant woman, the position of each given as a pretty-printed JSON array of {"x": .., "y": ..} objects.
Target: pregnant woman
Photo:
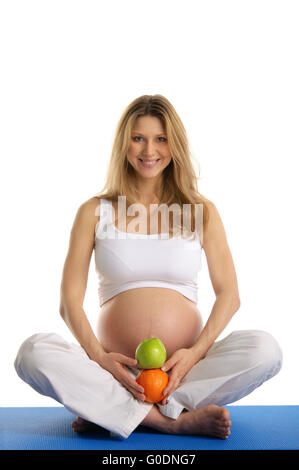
[{"x": 148, "y": 288}]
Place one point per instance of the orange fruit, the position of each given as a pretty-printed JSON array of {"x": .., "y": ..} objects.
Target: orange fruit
[{"x": 154, "y": 382}]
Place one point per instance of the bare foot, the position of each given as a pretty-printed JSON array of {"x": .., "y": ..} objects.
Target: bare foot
[
  {"x": 82, "y": 425},
  {"x": 210, "y": 420}
]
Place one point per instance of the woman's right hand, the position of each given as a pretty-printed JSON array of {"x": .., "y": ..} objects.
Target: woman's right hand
[{"x": 113, "y": 362}]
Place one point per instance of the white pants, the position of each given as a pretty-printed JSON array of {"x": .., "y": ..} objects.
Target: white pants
[{"x": 232, "y": 368}]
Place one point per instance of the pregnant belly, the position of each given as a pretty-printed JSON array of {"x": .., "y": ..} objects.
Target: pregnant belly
[{"x": 138, "y": 314}]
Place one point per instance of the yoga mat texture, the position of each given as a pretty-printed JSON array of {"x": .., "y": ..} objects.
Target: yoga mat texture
[{"x": 49, "y": 428}]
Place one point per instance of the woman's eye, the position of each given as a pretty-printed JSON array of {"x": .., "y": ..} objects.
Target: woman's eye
[{"x": 139, "y": 137}]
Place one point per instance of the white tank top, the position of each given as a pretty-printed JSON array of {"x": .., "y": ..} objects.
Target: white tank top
[{"x": 126, "y": 260}]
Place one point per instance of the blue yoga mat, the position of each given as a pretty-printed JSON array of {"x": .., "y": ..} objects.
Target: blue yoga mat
[{"x": 49, "y": 428}]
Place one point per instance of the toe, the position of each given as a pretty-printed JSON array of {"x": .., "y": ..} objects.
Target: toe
[
  {"x": 218, "y": 412},
  {"x": 225, "y": 434},
  {"x": 79, "y": 425},
  {"x": 223, "y": 425},
  {"x": 224, "y": 414}
]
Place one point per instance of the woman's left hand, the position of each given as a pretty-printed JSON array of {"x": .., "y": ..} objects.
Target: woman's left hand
[{"x": 180, "y": 362}]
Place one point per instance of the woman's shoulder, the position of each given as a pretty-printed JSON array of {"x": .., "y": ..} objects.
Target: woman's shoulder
[
  {"x": 89, "y": 211},
  {"x": 212, "y": 215},
  {"x": 210, "y": 206},
  {"x": 90, "y": 205}
]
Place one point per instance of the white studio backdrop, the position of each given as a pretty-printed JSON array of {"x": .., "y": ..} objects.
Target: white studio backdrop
[{"x": 68, "y": 70}]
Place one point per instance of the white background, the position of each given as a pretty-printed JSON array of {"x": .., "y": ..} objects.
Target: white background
[{"x": 68, "y": 70}]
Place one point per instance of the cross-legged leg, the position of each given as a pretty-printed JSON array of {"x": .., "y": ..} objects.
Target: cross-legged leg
[
  {"x": 64, "y": 372},
  {"x": 232, "y": 368}
]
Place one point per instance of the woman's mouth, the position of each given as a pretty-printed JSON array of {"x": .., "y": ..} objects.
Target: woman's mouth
[{"x": 148, "y": 164}]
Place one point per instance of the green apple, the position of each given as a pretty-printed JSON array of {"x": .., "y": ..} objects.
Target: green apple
[{"x": 151, "y": 353}]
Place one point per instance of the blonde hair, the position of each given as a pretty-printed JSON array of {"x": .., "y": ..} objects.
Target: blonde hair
[{"x": 179, "y": 183}]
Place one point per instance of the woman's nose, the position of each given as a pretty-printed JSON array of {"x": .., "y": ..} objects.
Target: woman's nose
[{"x": 149, "y": 150}]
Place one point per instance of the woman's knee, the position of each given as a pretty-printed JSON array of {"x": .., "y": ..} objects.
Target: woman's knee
[
  {"x": 28, "y": 357},
  {"x": 264, "y": 350}
]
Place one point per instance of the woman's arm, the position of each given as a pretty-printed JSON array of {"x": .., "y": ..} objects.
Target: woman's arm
[
  {"x": 224, "y": 281},
  {"x": 75, "y": 276}
]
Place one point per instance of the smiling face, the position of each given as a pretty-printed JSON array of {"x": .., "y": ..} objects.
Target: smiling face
[{"x": 149, "y": 152}]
